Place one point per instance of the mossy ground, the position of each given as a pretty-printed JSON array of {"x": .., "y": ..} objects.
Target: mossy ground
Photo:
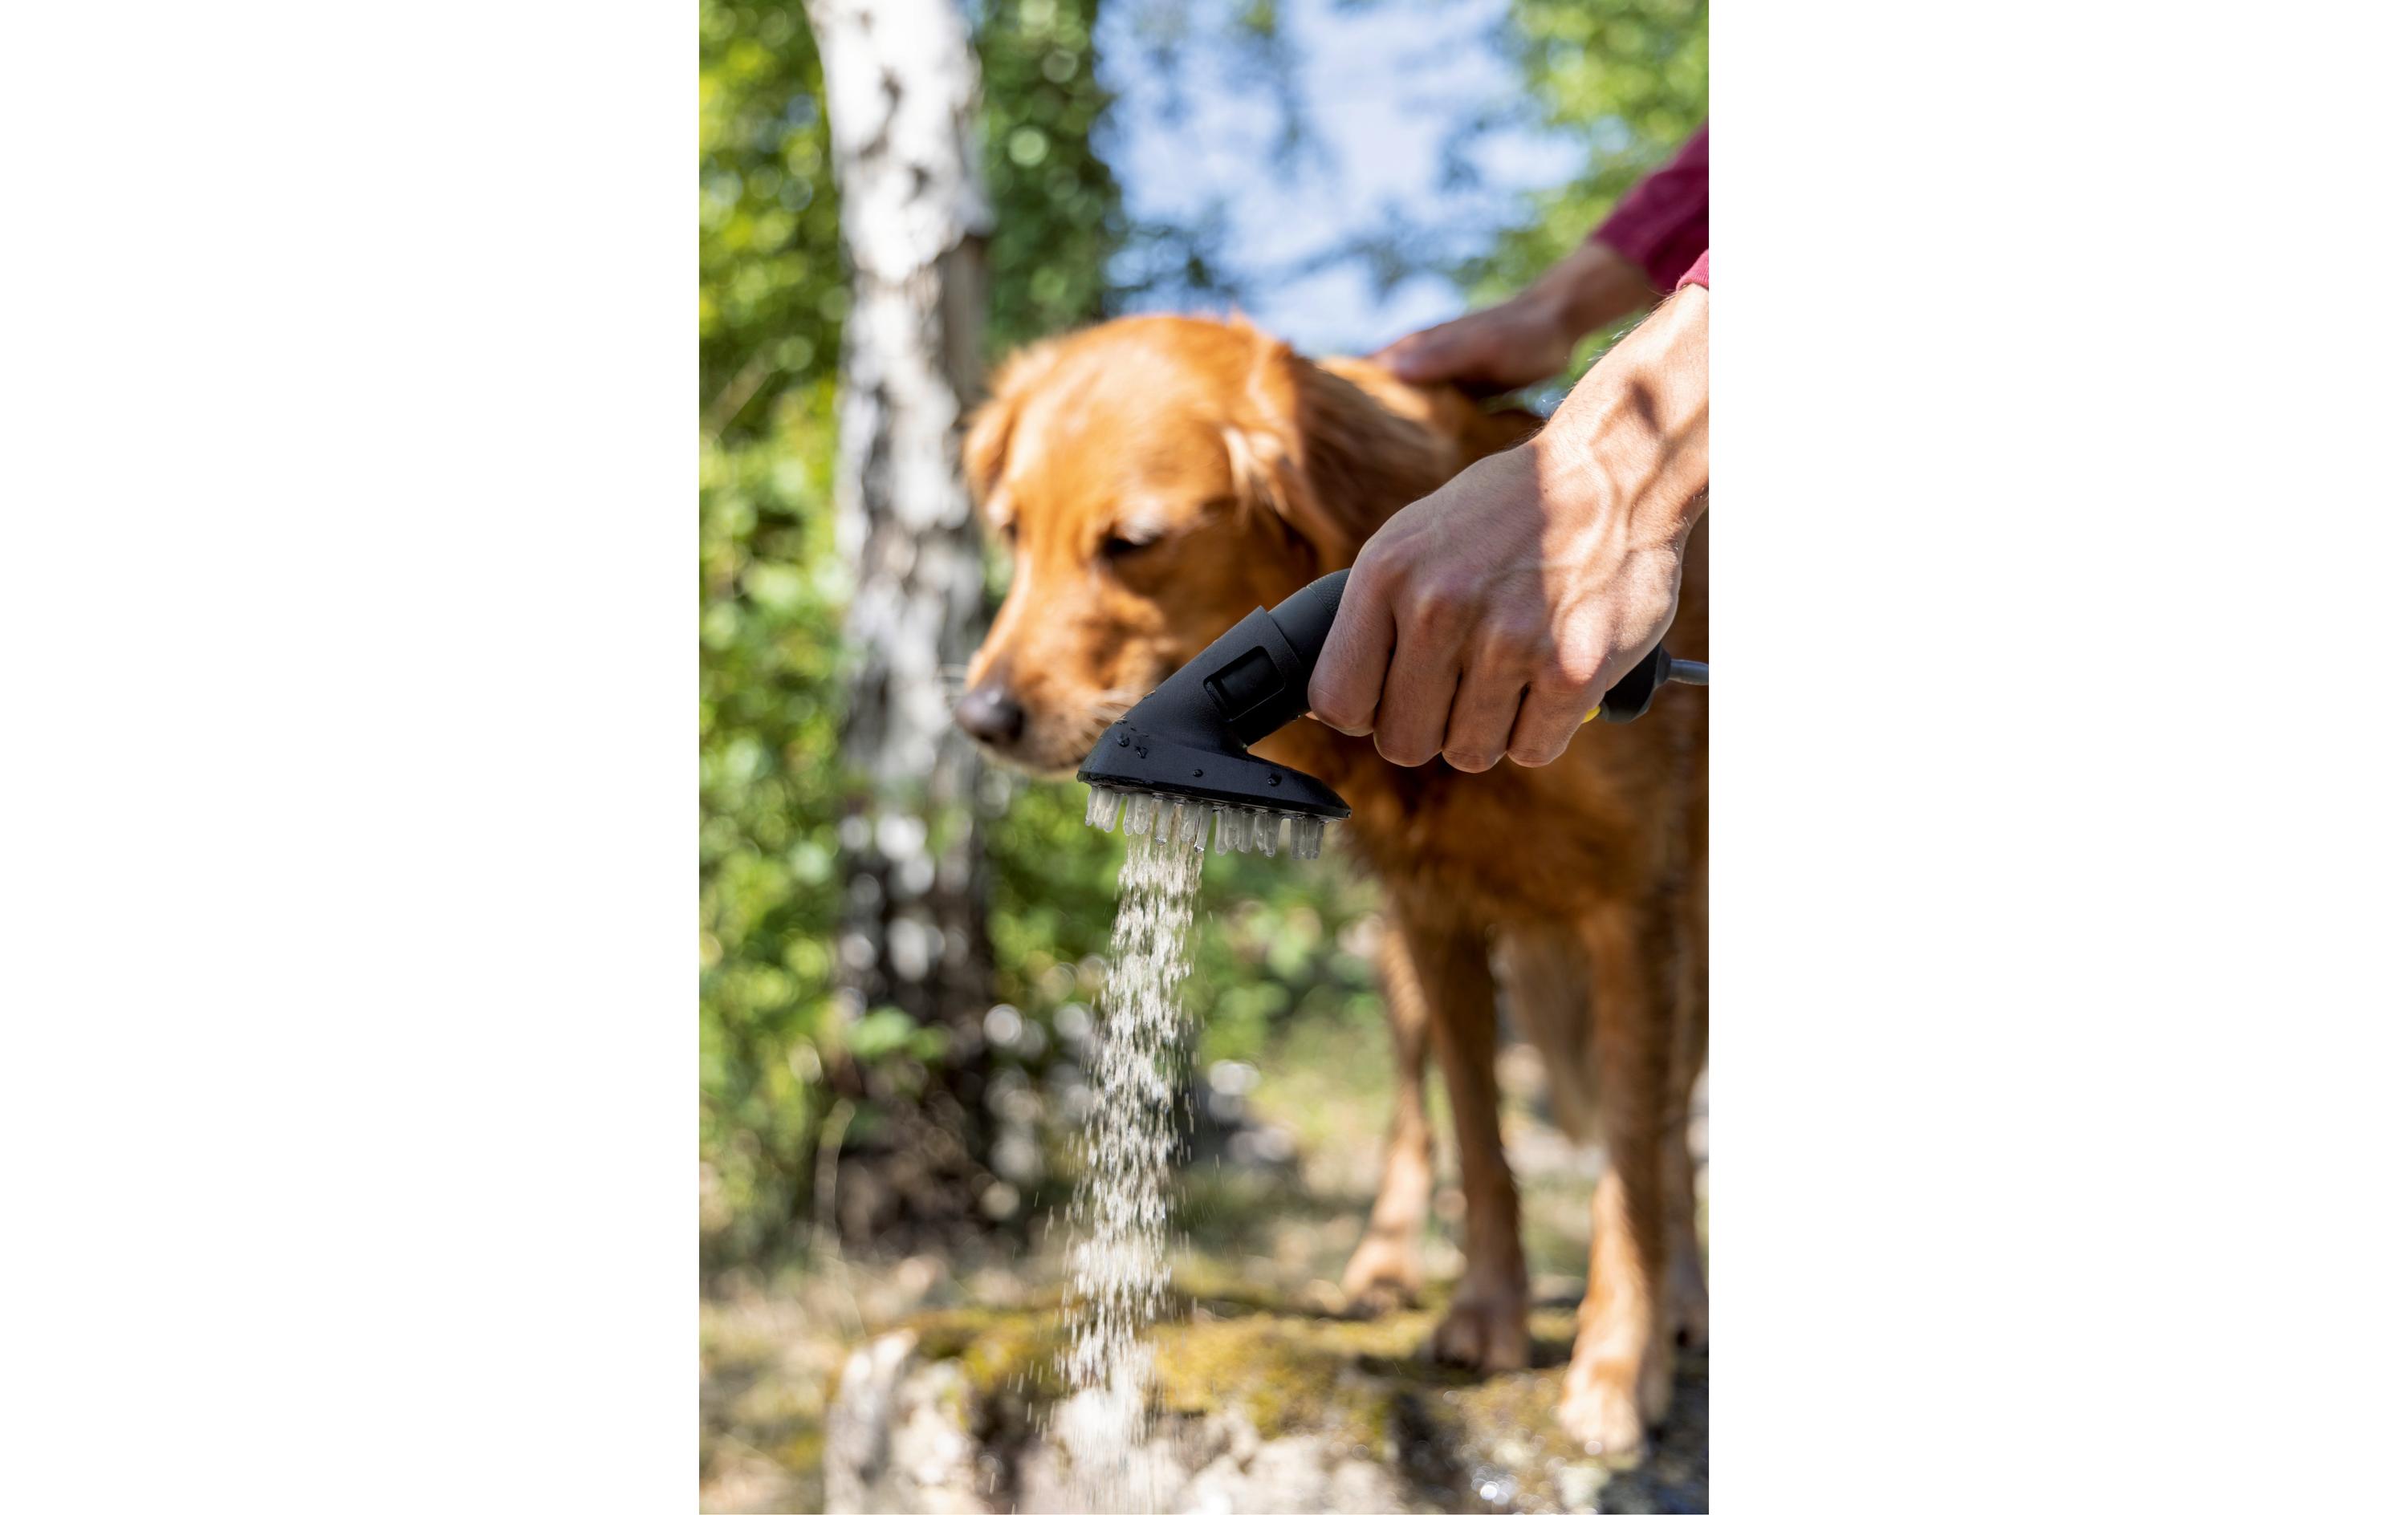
[
  {"x": 1255, "y": 1325},
  {"x": 1363, "y": 1386}
]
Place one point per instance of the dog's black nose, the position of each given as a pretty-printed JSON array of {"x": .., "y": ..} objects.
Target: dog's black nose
[{"x": 991, "y": 715}]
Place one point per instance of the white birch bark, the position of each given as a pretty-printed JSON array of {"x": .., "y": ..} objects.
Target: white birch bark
[{"x": 902, "y": 93}]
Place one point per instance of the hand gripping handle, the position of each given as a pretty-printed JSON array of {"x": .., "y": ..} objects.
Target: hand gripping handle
[{"x": 1305, "y": 618}]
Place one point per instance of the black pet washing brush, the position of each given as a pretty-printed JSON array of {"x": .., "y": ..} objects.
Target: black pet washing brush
[{"x": 1179, "y": 757}]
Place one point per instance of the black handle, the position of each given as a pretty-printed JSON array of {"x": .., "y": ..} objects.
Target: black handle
[
  {"x": 1304, "y": 618},
  {"x": 1630, "y": 698},
  {"x": 1306, "y": 615}
]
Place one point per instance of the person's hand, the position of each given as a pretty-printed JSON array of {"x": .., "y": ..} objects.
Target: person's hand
[
  {"x": 1488, "y": 620},
  {"x": 1488, "y": 351},
  {"x": 1530, "y": 336}
]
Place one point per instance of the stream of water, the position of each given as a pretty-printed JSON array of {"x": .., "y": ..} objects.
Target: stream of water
[{"x": 1119, "y": 1265}]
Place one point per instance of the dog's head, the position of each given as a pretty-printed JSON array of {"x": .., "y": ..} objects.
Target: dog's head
[{"x": 1156, "y": 478}]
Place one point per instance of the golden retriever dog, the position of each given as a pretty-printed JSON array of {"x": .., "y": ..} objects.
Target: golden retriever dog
[{"x": 1156, "y": 478}]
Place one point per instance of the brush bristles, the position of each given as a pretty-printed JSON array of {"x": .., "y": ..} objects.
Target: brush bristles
[{"x": 1171, "y": 821}]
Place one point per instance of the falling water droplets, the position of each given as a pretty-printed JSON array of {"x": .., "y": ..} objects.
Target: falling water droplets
[{"x": 1119, "y": 1267}]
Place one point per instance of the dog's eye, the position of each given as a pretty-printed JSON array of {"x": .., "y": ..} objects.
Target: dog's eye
[{"x": 1117, "y": 548}]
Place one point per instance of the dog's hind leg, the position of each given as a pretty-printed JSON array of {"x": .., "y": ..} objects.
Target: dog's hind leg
[
  {"x": 1487, "y": 1322},
  {"x": 1685, "y": 1283},
  {"x": 1543, "y": 969},
  {"x": 1386, "y": 1269}
]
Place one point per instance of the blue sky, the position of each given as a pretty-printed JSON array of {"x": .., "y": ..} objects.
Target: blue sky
[{"x": 1382, "y": 85}]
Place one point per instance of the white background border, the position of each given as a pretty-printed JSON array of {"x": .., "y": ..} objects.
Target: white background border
[
  {"x": 347, "y": 598},
  {"x": 346, "y": 594}
]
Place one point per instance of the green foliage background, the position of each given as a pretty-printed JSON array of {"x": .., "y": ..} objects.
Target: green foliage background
[
  {"x": 1629, "y": 74},
  {"x": 1627, "y": 78}
]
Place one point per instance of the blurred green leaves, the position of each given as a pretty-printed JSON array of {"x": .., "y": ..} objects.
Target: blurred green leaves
[
  {"x": 1628, "y": 78},
  {"x": 769, "y": 796},
  {"x": 773, "y": 287},
  {"x": 1057, "y": 208}
]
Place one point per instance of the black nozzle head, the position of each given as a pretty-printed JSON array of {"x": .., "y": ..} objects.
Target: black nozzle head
[
  {"x": 1188, "y": 738},
  {"x": 1131, "y": 758}
]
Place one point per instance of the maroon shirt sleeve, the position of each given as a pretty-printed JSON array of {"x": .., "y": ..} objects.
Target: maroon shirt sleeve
[
  {"x": 1660, "y": 225},
  {"x": 1696, "y": 274}
]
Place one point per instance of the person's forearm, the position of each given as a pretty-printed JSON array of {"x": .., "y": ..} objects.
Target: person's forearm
[
  {"x": 1590, "y": 288},
  {"x": 1632, "y": 433},
  {"x": 1660, "y": 225}
]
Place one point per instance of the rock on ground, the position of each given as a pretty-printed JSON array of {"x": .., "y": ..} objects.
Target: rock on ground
[{"x": 1260, "y": 1411}]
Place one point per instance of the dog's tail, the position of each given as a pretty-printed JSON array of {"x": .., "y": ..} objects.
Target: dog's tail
[{"x": 1545, "y": 974}]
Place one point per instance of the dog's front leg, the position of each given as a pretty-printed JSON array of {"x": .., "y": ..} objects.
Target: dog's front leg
[
  {"x": 1487, "y": 1322},
  {"x": 1386, "y": 1269}
]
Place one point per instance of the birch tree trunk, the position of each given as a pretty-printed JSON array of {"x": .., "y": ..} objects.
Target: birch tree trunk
[{"x": 902, "y": 93}]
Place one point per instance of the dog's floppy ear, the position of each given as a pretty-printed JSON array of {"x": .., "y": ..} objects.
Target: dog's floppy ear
[
  {"x": 984, "y": 449},
  {"x": 1330, "y": 460},
  {"x": 988, "y": 443}
]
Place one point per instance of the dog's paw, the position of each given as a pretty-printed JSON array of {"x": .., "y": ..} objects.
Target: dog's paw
[
  {"x": 1602, "y": 1415},
  {"x": 1488, "y": 1331},
  {"x": 1609, "y": 1403},
  {"x": 1384, "y": 1274}
]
